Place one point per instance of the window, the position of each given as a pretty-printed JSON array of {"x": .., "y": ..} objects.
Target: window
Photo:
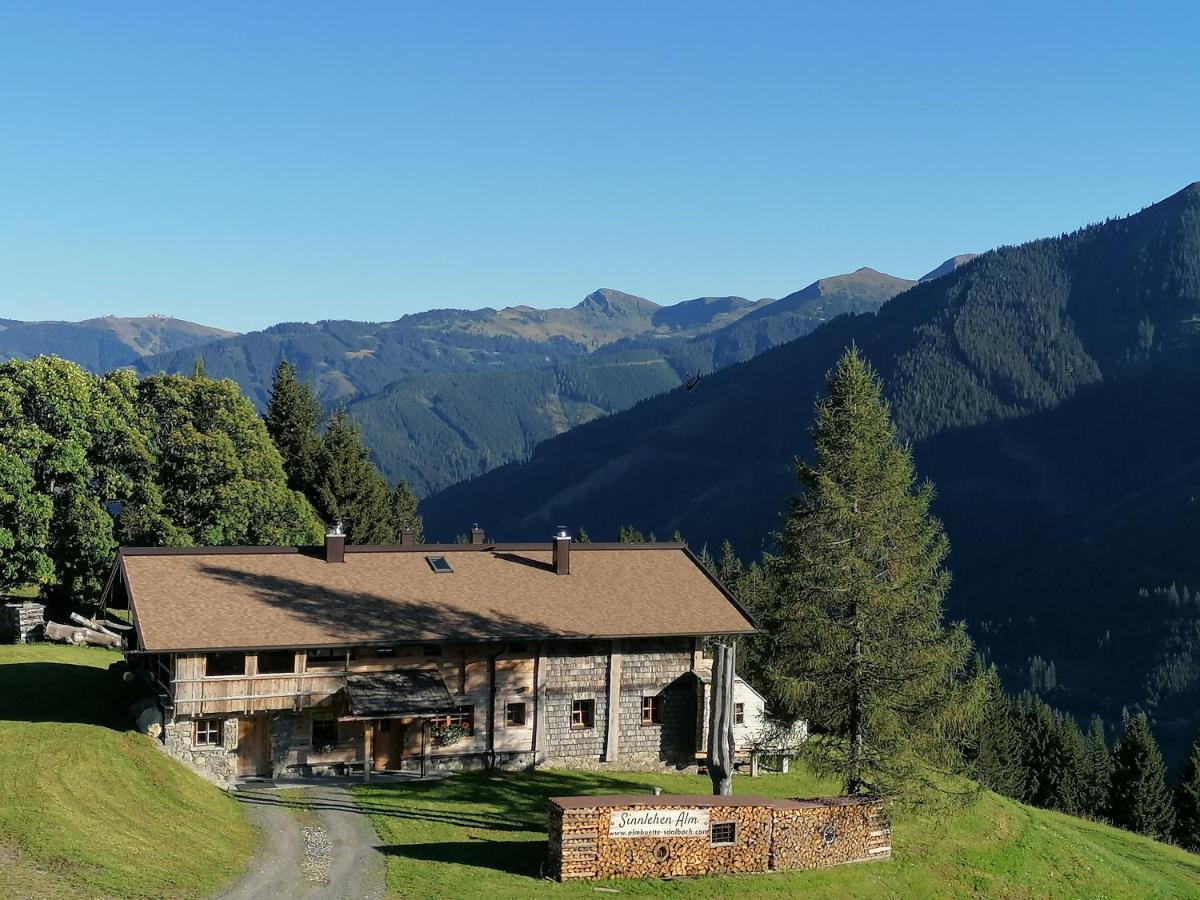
[
  {"x": 324, "y": 732},
  {"x": 583, "y": 714},
  {"x": 216, "y": 664},
  {"x": 739, "y": 713},
  {"x": 448, "y": 730},
  {"x": 277, "y": 662},
  {"x": 723, "y": 834},
  {"x": 517, "y": 646},
  {"x": 514, "y": 715},
  {"x": 464, "y": 719},
  {"x": 207, "y": 733},
  {"x": 431, "y": 650},
  {"x": 326, "y": 659},
  {"x": 439, "y": 564},
  {"x": 372, "y": 652},
  {"x": 652, "y": 708}
]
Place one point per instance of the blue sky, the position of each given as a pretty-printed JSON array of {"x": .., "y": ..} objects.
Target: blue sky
[{"x": 246, "y": 163}]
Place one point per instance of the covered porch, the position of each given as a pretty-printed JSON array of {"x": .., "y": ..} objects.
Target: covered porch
[{"x": 396, "y": 711}]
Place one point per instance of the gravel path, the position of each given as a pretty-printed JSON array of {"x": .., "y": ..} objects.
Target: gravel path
[{"x": 326, "y": 852}]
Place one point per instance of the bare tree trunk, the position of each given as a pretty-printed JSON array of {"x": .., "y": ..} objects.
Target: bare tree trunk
[
  {"x": 720, "y": 721},
  {"x": 854, "y": 762},
  {"x": 73, "y": 634}
]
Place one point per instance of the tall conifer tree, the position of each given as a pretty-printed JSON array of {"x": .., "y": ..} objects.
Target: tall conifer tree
[
  {"x": 1140, "y": 800},
  {"x": 998, "y": 759},
  {"x": 293, "y": 420},
  {"x": 349, "y": 488},
  {"x": 1187, "y": 801},
  {"x": 856, "y": 636},
  {"x": 404, "y": 512},
  {"x": 1097, "y": 767}
]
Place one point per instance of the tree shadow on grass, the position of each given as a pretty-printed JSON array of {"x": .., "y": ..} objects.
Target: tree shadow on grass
[
  {"x": 65, "y": 692},
  {"x": 526, "y": 858}
]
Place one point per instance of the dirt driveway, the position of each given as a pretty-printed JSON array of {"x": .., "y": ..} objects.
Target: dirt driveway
[{"x": 315, "y": 843}]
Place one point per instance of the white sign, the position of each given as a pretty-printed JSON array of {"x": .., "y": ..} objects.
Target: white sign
[{"x": 659, "y": 823}]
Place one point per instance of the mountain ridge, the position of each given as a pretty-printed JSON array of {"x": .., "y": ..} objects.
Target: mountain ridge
[{"x": 991, "y": 370}]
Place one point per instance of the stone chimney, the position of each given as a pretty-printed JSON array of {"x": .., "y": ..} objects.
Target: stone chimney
[
  {"x": 562, "y": 550},
  {"x": 407, "y": 538},
  {"x": 476, "y": 534},
  {"x": 335, "y": 544}
]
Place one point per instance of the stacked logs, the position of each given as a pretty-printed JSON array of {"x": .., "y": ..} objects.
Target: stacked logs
[
  {"x": 830, "y": 831},
  {"x": 769, "y": 835},
  {"x": 92, "y": 632},
  {"x": 21, "y": 622}
]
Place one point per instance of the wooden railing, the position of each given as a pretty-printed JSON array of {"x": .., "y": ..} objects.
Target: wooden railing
[{"x": 254, "y": 693}]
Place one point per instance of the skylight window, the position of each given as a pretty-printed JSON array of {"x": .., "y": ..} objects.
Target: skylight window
[{"x": 439, "y": 564}]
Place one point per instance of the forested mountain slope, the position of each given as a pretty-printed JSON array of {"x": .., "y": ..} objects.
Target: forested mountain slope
[
  {"x": 105, "y": 343},
  {"x": 1047, "y": 388},
  {"x": 436, "y": 429}
]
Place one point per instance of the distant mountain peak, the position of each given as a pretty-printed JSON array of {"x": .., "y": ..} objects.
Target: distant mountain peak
[
  {"x": 949, "y": 266},
  {"x": 609, "y": 302}
]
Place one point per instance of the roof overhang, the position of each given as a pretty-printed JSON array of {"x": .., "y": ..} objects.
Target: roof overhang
[{"x": 406, "y": 692}]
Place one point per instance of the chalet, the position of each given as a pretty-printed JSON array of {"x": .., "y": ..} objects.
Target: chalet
[{"x": 271, "y": 661}]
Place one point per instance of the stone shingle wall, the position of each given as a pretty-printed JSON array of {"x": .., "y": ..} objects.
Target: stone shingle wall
[
  {"x": 648, "y": 668},
  {"x": 576, "y": 671},
  {"x": 658, "y": 668}
]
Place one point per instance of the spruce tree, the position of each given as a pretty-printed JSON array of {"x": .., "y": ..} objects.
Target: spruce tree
[
  {"x": 998, "y": 759},
  {"x": 293, "y": 419},
  {"x": 1139, "y": 799},
  {"x": 729, "y": 569},
  {"x": 1070, "y": 796},
  {"x": 1097, "y": 767},
  {"x": 857, "y": 639},
  {"x": 1187, "y": 801},
  {"x": 404, "y": 512},
  {"x": 350, "y": 489}
]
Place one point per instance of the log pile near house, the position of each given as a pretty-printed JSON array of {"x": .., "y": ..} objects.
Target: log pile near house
[
  {"x": 90, "y": 632},
  {"x": 627, "y": 836},
  {"x": 829, "y": 831},
  {"x": 21, "y": 623}
]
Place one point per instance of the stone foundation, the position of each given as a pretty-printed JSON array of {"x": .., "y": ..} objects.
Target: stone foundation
[{"x": 219, "y": 762}]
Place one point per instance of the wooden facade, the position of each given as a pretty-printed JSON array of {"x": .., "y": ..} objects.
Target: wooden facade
[{"x": 491, "y": 686}]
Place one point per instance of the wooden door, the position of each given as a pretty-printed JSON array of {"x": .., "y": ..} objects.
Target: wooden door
[
  {"x": 387, "y": 744},
  {"x": 254, "y": 746},
  {"x": 382, "y": 744}
]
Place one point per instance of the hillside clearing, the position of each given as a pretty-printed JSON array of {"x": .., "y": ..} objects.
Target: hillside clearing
[
  {"x": 480, "y": 834},
  {"x": 88, "y": 809}
]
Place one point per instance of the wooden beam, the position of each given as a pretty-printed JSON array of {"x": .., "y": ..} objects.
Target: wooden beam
[
  {"x": 368, "y": 749},
  {"x": 539, "y": 704},
  {"x": 613, "y": 732}
]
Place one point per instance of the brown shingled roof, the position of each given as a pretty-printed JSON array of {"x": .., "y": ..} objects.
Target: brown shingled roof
[{"x": 241, "y": 598}]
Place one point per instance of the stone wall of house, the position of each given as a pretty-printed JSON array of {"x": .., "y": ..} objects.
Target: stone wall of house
[
  {"x": 658, "y": 668},
  {"x": 576, "y": 671},
  {"x": 653, "y": 667},
  {"x": 219, "y": 762}
]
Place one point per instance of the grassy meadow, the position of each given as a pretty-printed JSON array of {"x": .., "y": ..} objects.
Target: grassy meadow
[
  {"x": 90, "y": 809},
  {"x": 483, "y": 835}
]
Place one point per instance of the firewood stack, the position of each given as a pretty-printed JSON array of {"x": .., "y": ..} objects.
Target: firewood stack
[
  {"x": 830, "y": 831},
  {"x": 21, "y": 623},
  {"x": 767, "y": 835}
]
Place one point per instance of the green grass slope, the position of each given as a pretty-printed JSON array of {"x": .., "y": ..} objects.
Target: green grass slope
[
  {"x": 482, "y": 835},
  {"x": 88, "y": 809}
]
